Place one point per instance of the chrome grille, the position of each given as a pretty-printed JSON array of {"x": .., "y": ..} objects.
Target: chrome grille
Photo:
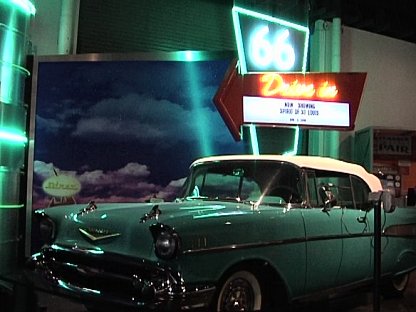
[{"x": 122, "y": 278}]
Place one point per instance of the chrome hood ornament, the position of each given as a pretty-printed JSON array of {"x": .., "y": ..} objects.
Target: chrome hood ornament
[
  {"x": 96, "y": 234},
  {"x": 89, "y": 208},
  {"x": 153, "y": 214}
]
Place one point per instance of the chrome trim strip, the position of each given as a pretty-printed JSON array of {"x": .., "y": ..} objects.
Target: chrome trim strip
[
  {"x": 273, "y": 243},
  {"x": 401, "y": 230}
]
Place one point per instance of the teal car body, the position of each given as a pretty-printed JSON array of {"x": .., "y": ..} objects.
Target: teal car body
[{"x": 247, "y": 233}]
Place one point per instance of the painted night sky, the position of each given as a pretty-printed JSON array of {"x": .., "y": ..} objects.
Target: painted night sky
[{"x": 126, "y": 130}]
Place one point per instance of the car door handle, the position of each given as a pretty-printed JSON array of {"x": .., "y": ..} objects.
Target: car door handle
[{"x": 361, "y": 219}]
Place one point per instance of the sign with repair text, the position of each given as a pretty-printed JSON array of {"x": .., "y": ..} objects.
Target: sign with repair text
[{"x": 393, "y": 145}]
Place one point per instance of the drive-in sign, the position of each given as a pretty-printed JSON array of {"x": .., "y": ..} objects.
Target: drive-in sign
[
  {"x": 295, "y": 112},
  {"x": 308, "y": 100},
  {"x": 266, "y": 43}
]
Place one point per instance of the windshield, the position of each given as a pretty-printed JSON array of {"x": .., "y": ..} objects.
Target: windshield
[{"x": 265, "y": 182}]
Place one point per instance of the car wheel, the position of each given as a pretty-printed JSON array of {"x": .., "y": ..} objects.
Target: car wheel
[
  {"x": 240, "y": 292},
  {"x": 396, "y": 286}
]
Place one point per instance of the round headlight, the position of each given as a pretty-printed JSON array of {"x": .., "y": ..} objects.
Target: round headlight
[{"x": 166, "y": 245}]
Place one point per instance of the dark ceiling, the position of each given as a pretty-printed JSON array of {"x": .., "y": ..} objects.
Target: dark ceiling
[{"x": 396, "y": 19}]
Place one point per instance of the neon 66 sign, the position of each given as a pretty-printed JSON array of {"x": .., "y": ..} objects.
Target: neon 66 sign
[{"x": 266, "y": 43}]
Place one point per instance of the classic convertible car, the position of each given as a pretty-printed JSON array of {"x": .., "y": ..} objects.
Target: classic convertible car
[{"x": 248, "y": 233}]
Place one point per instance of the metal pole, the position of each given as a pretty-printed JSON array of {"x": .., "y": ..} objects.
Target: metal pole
[
  {"x": 15, "y": 17},
  {"x": 377, "y": 256},
  {"x": 67, "y": 27}
]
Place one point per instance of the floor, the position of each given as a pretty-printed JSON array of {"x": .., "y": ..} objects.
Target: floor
[{"x": 362, "y": 302}]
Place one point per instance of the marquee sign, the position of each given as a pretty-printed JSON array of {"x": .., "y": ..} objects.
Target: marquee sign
[
  {"x": 308, "y": 100},
  {"x": 271, "y": 86},
  {"x": 295, "y": 112},
  {"x": 266, "y": 43}
]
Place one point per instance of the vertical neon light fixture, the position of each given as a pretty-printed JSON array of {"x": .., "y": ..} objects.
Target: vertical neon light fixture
[
  {"x": 254, "y": 141},
  {"x": 15, "y": 16},
  {"x": 194, "y": 93}
]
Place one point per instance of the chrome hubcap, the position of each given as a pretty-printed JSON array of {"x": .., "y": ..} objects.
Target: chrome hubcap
[{"x": 239, "y": 296}]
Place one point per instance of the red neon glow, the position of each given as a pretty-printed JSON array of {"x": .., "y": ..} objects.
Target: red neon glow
[{"x": 273, "y": 84}]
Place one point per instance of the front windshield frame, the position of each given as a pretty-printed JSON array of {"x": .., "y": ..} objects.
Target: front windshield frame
[{"x": 236, "y": 175}]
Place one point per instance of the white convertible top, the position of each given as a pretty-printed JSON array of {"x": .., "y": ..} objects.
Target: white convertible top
[{"x": 312, "y": 162}]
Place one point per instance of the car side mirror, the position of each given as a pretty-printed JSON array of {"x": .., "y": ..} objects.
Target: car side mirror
[
  {"x": 384, "y": 199},
  {"x": 328, "y": 197}
]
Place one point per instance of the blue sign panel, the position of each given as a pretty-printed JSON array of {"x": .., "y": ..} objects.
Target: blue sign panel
[{"x": 266, "y": 43}]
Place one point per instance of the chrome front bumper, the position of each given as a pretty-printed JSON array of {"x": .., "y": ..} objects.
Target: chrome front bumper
[{"x": 105, "y": 278}]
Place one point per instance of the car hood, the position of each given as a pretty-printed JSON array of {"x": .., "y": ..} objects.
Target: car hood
[{"x": 124, "y": 227}]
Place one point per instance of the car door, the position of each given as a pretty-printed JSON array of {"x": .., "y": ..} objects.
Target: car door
[
  {"x": 357, "y": 224},
  {"x": 323, "y": 240},
  {"x": 339, "y": 234}
]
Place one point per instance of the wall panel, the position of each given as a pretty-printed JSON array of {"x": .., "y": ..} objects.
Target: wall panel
[{"x": 161, "y": 25}]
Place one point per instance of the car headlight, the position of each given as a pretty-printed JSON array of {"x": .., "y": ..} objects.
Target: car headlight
[{"x": 166, "y": 241}]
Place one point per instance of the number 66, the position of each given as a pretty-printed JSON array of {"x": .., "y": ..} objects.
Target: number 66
[{"x": 265, "y": 52}]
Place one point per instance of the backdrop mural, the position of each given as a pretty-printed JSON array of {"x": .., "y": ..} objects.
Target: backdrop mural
[{"x": 122, "y": 131}]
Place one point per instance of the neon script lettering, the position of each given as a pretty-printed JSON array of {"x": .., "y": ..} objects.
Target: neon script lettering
[{"x": 273, "y": 84}]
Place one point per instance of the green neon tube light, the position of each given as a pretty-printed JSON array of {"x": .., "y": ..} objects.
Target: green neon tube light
[
  {"x": 24, "y": 5},
  {"x": 11, "y": 206},
  {"x": 239, "y": 40},
  {"x": 12, "y": 136},
  {"x": 6, "y": 64},
  {"x": 270, "y": 18},
  {"x": 239, "y": 35},
  {"x": 253, "y": 139},
  {"x": 190, "y": 56}
]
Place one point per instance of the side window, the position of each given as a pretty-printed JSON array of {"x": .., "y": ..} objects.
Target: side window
[
  {"x": 361, "y": 190},
  {"x": 313, "y": 197},
  {"x": 336, "y": 186}
]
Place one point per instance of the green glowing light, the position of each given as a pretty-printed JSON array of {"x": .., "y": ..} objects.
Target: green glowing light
[
  {"x": 239, "y": 39},
  {"x": 24, "y": 5},
  {"x": 269, "y": 18},
  {"x": 266, "y": 43},
  {"x": 190, "y": 56},
  {"x": 295, "y": 144},
  {"x": 11, "y": 206},
  {"x": 11, "y": 136},
  {"x": 253, "y": 140},
  {"x": 202, "y": 124},
  {"x": 10, "y": 73}
]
